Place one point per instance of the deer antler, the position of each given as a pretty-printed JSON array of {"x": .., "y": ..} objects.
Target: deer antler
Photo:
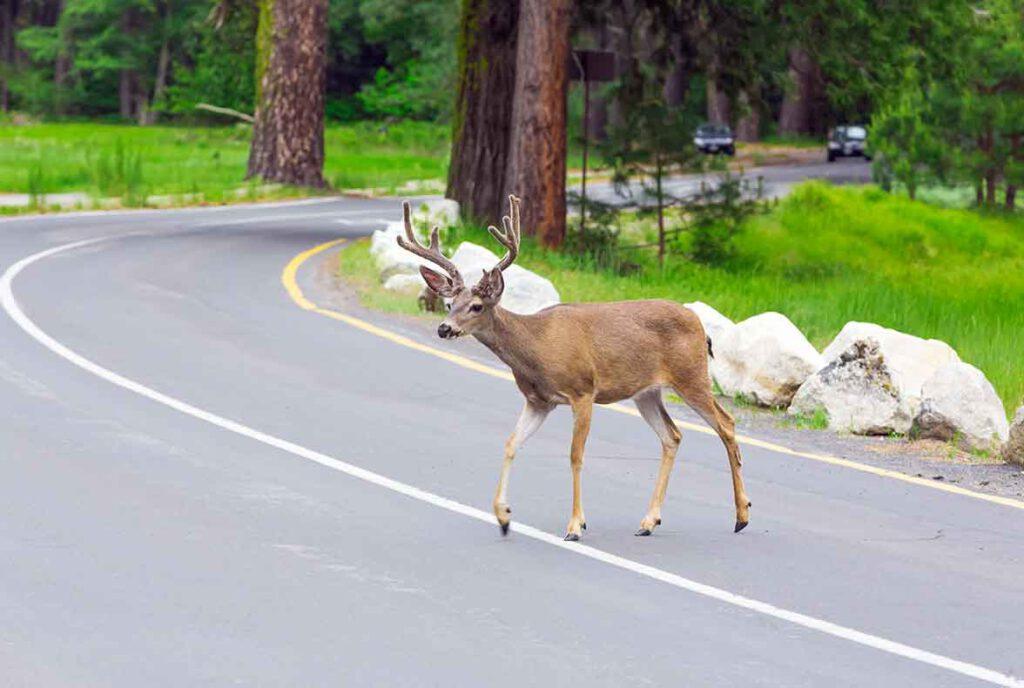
[
  {"x": 431, "y": 253},
  {"x": 510, "y": 237}
]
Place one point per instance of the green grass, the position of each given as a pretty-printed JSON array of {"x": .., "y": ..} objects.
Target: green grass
[
  {"x": 131, "y": 162},
  {"x": 794, "y": 141},
  {"x": 829, "y": 255},
  {"x": 356, "y": 264},
  {"x": 815, "y": 421}
]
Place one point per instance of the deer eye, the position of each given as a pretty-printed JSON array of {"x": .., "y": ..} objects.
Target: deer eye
[
  {"x": 448, "y": 306},
  {"x": 475, "y": 308}
]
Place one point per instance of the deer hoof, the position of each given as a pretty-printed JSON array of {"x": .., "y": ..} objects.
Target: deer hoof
[
  {"x": 583, "y": 526},
  {"x": 740, "y": 525},
  {"x": 504, "y": 527},
  {"x": 643, "y": 532},
  {"x": 571, "y": 537},
  {"x": 657, "y": 522}
]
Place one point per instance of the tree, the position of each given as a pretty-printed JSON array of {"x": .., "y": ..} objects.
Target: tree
[
  {"x": 802, "y": 105},
  {"x": 970, "y": 97},
  {"x": 536, "y": 163},
  {"x": 902, "y": 138},
  {"x": 481, "y": 125},
  {"x": 418, "y": 37},
  {"x": 216, "y": 62},
  {"x": 288, "y": 135}
]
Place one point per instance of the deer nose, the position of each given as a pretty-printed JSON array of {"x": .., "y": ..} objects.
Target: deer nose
[{"x": 444, "y": 331}]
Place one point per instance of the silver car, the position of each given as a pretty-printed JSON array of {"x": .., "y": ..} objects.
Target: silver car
[
  {"x": 848, "y": 141},
  {"x": 715, "y": 138}
]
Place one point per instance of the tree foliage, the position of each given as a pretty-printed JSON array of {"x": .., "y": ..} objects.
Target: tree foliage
[{"x": 958, "y": 115}]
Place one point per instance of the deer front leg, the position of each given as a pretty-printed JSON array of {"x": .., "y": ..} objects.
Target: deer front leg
[
  {"x": 581, "y": 412},
  {"x": 653, "y": 411},
  {"x": 529, "y": 421}
]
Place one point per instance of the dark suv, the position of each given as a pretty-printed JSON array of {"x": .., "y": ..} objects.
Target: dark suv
[
  {"x": 848, "y": 141},
  {"x": 715, "y": 138}
]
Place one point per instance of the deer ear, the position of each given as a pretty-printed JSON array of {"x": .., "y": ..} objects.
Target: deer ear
[
  {"x": 438, "y": 283},
  {"x": 491, "y": 285}
]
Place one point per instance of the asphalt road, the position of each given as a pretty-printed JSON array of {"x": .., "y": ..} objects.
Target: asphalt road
[
  {"x": 776, "y": 180},
  {"x": 203, "y": 483}
]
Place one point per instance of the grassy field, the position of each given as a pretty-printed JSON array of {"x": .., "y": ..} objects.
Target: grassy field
[
  {"x": 172, "y": 165},
  {"x": 829, "y": 255},
  {"x": 130, "y": 162}
]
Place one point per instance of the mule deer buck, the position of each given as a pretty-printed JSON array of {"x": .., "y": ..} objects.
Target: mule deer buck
[{"x": 582, "y": 354}]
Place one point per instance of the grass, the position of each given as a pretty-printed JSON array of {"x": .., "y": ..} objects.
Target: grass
[
  {"x": 133, "y": 163},
  {"x": 827, "y": 255},
  {"x": 814, "y": 421},
  {"x": 356, "y": 264},
  {"x": 794, "y": 141}
]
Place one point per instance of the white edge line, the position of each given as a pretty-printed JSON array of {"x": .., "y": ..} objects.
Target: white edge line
[
  {"x": 204, "y": 209},
  {"x": 13, "y": 309}
]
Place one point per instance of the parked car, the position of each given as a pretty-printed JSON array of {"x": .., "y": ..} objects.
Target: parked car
[
  {"x": 715, "y": 138},
  {"x": 848, "y": 141}
]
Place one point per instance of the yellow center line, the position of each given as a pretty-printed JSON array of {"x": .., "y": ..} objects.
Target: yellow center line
[{"x": 288, "y": 280}]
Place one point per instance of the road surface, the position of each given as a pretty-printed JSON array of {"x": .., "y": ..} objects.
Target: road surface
[
  {"x": 207, "y": 480},
  {"x": 777, "y": 180}
]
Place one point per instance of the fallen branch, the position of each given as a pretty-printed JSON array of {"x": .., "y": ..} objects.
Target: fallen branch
[{"x": 225, "y": 111}]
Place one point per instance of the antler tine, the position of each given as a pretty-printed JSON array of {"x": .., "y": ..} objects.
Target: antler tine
[
  {"x": 510, "y": 237},
  {"x": 432, "y": 253}
]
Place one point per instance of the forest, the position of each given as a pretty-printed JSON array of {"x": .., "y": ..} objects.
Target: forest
[{"x": 939, "y": 81}]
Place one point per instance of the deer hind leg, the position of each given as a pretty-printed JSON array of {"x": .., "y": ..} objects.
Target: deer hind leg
[
  {"x": 581, "y": 412},
  {"x": 653, "y": 411},
  {"x": 699, "y": 397},
  {"x": 529, "y": 421}
]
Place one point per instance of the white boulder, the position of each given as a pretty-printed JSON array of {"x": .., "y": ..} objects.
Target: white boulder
[
  {"x": 472, "y": 259},
  {"x": 958, "y": 402},
  {"x": 856, "y": 391},
  {"x": 383, "y": 239},
  {"x": 404, "y": 283},
  {"x": 765, "y": 359},
  {"x": 1013, "y": 450},
  {"x": 442, "y": 211},
  {"x": 390, "y": 258},
  {"x": 909, "y": 360},
  {"x": 525, "y": 291},
  {"x": 715, "y": 324}
]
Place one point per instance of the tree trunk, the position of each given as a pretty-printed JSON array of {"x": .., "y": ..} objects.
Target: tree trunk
[
  {"x": 126, "y": 93},
  {"x": 1015, "y": 156},
  {"x": 799, "y": 103},
  {"x": 677, "y": 83},
  {"x": 597, "y": 115},
  {"x": 659, "y": 172},
  {"x": 748, "y": 128},
  {"x": 536, "y": 165},
  {"x": 623, "y": 18},
  {"x": 288, "y": 134},
  {"x": 483, "y": 112},
  {"x": 147, "y": 115},
  {"x": 990, "y": 188},
  {"x": 7, "y": 17},
  {"x": 719, "y": 111}
]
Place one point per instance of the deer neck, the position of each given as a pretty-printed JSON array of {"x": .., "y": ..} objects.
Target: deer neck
[{"x": 509, "y": 337}]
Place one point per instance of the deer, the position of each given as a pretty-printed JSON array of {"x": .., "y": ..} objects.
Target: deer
[{"x": 582, "y": 354}]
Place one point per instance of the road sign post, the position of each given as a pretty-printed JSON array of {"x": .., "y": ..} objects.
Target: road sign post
[{"x": 588, "y": 66}]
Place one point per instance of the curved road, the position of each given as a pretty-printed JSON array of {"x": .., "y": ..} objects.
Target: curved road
[{"x": 203, "y": 483}]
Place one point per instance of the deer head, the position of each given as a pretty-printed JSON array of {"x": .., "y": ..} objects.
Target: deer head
[{"x": 469, "y": 309}]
